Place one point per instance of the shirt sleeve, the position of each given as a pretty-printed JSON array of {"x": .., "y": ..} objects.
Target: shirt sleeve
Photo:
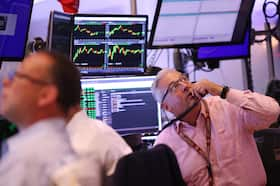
[
  {"x": 256, "y": 110},
  {"x": 110, "y": 147},
  {"x": 8, "y": 175},
  {"x": 113, "y": 155},
  {"x": 77, "y": 173}
]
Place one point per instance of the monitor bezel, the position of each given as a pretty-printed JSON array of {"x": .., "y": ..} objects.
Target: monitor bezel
[
  {"x": 238, "y": 33},
  {"x": 13, "y": 58},
  {"x": 248, "y": 30},
  {"x": 121, "y": 16},
  {"x": 88, "y": 81},
  {"x": 50, "y": 28}
]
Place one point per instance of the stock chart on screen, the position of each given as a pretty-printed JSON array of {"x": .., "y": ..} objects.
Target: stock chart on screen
[{"x": 105, "y": 45}]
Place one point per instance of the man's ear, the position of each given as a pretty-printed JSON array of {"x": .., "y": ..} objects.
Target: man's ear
[
  {"x": 164, "y": 106},
  {"x": 48, "y": 95}
]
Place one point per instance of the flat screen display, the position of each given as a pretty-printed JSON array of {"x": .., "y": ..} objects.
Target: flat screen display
[
  {"x": 14, "y": 26},
  {"x": 124, "y": 103},
  {"x": 192, "y": 23},
  {"x": 109, "y": 44},
  {"x": 60, "y": 33},
  {"x": 230, "y": 51}
]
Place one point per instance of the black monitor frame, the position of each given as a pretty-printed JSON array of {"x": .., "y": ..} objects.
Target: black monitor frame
[
  {"x": 83, "y": 66},
  {"x": 51, "y": 41},
  {"x": 25, "y": 32},
  {"x": 237, "y": 37},
  {"x": 124, "y": 103},
  {"x": 107, "y": 42},
  {"x": 223, "y": 49}
]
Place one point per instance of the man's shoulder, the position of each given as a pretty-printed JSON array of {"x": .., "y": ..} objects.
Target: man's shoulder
[
  {"x": 38, "y": 147},
  {"x": 86, "y": 132},
  {"x": 167, "y": 136},
  {"x": 37, "y": 135},
  {"x": 216, "y": 101},
  {"x": 82, "y": 123}
]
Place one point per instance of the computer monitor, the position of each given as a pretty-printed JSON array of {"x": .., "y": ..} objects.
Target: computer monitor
[
  {"x": 230, "y": 51},
  {"x": 188, "y": 24},
  {"x": 14, "y": 26},
  {"x": 124, "y": 103},
  {"x": 7, "y": 129},
  {"x": 60, "y": 32},
  {"x": 109, "y": 44}
]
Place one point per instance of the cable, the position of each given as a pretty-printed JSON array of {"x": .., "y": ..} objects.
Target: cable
[
  {"x": 168, "y": 58},
  {"x": 188, "y": 110},
  {"x": 153, "y": 54},
  {"x": 160, "y": 52},
  {"x": 261, "y": 40},
  {"x": 155, "y": 57},
  {"x": 206, "y": 69}
]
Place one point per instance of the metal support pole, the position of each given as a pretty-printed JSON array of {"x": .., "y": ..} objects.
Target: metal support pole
[
  {"x": 249, "y": 77},
  {"x": 133, "y": 7},
  {"x": 270, "y": 60}
]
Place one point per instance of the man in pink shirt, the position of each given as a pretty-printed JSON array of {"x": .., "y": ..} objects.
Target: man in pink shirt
[{"x": 213, "y": 137}]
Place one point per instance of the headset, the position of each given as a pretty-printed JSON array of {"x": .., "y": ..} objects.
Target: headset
[{"x": 188, "y": 110}]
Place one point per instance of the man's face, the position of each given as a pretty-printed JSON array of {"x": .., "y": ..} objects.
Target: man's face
[
  {"x": 20, "y": 93},
  {"x": 176, "y": 93}
]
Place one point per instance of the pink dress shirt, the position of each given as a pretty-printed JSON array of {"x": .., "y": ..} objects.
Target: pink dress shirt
[{"x": 234, "y": 156}]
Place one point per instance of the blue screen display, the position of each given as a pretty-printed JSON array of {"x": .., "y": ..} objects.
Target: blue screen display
[
  {"x": 14, "y": 26},
  {"x": 225, "y": 51}
]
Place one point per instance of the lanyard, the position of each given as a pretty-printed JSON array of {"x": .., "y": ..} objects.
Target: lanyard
[{"x": 190, "y": 142}]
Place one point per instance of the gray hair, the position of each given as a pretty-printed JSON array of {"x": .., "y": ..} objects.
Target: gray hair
[{"x": 157, "y": 92}]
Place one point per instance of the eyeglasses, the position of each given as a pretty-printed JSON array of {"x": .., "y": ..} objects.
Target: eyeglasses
[
  {"x": 173, "y": 86},
  {"x": 29, "y": 78}
]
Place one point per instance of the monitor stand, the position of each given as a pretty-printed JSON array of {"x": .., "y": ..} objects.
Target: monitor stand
[{"x": 181, "y": 58}]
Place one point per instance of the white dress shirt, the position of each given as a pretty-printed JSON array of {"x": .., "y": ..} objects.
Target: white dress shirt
[
  {"x": 35, "y": 153},
  {"x": 99, "y": 148}
]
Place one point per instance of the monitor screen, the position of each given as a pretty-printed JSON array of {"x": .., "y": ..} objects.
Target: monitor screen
[
  {"x": 230, "y": 51},
  {"x": 109, "y": 44},
  {"x": 185, "y": 23},
  {"x": 59, "y": 33},
  {"x": 124, "y": 103},
  {"x": 7, "y": 129},
  {"x": 14, "y": 26}
]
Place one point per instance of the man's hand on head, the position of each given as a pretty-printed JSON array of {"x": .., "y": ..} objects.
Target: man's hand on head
[{"x": 204, "y": 87}]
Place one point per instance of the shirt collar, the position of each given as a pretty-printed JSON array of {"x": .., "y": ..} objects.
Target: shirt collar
[
  {"x": 202, "y": 113},
  {"x": 203, "y": 110}
]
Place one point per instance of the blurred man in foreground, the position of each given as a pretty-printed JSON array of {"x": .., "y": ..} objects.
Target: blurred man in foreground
[
  {"x": 36, "y": 98},
  {"x": 98, "y": 146}
]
